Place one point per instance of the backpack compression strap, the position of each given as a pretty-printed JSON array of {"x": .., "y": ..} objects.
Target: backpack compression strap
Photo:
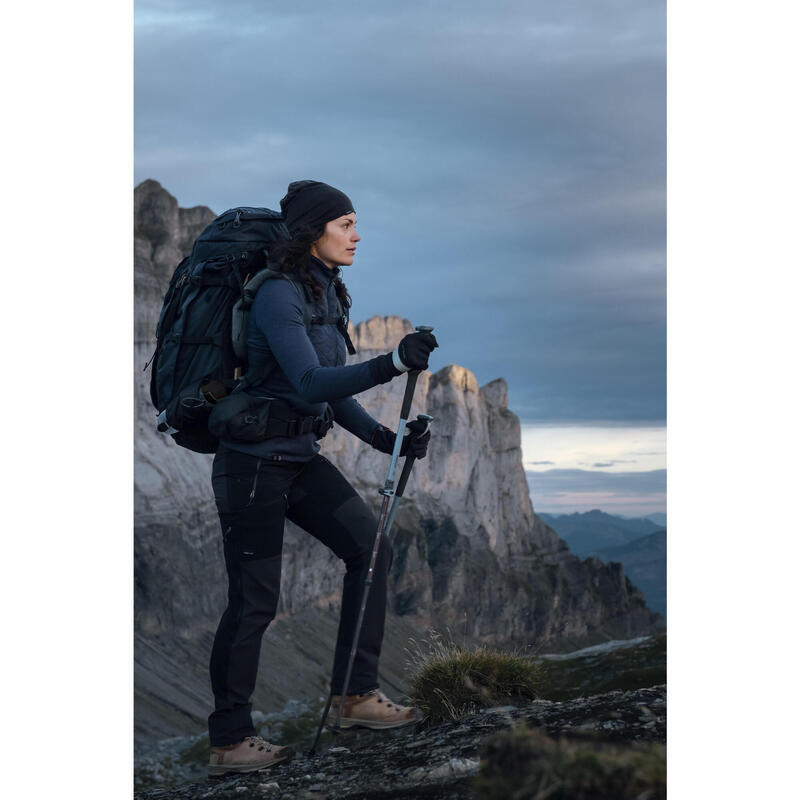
[{"x": 340, "y": 322}]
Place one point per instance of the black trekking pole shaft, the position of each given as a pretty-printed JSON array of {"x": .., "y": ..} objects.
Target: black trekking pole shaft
[
  {"x": 404, "y": 476},
  {"x": 405, "y": 410},
  {"x": 321, "y": 723},
  {"x": 387, "y": 493},
  {"x": 401, "y": 484},
  {"x": 409, "y": 462}
]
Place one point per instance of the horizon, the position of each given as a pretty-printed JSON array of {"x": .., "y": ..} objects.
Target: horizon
[{"x": 559, "y": 514}]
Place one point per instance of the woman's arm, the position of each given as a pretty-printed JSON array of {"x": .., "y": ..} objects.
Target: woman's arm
[
  {"x": 278, "y": 313},
  {"x": 352, "y": 416}
]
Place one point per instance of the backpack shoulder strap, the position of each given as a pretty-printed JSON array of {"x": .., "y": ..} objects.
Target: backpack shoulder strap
[
  {"x": 344, "y": 318},
  {"x": 305, "y": 295},
  {"x": 260, "y": 278}
]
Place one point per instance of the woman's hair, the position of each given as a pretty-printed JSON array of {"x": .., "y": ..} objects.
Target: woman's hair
[{"x": 294, "y": 256}]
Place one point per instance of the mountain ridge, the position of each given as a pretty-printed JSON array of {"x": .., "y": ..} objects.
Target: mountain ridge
[
  {"x": 471, "y": 555},
  {"x": 585, "y": 531}
]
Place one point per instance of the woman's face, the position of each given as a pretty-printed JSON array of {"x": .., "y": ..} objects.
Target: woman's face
[{"x": 337, "y": 246}]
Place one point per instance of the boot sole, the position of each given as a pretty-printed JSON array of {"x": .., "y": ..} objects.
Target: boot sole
[
  {"x": 223, "y": 769},
  {"x": 373, "y": 724}
]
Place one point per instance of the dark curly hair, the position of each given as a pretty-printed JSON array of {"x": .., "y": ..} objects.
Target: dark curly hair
[{"x": 294, "y": 256}]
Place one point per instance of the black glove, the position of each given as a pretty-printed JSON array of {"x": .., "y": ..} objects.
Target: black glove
[
  {"x": 414, "y": 349},
  {"x": 415, "y": 442}
]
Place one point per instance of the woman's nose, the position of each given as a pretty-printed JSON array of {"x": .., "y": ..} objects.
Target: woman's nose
[{"x": 356, "y": 237}]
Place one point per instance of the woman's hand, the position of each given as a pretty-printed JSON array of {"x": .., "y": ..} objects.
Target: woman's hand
[
  {"x": 413, "y": 351},
  {"x": 414, "y": 443}
]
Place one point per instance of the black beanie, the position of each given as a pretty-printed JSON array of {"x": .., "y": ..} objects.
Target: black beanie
[{"x": 312, "y": 203}]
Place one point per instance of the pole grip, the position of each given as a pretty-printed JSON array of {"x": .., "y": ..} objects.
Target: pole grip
[
  {"x": 412, "y": 379},
  {"x": 401, "y": 484},
  {"x": 411, "y": 384},
  {"x": 409, "y": 462}
]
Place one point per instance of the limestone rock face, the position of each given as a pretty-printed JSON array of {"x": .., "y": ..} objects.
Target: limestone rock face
[{"x": 469, "y": 550}]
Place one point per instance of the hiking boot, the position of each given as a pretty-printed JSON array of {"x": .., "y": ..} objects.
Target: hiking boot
[
  {"x": 251, "y": 754},
  {"x": 372, "y": 709}
]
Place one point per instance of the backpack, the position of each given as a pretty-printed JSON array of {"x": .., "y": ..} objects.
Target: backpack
[{"x": 201, "y": 336}]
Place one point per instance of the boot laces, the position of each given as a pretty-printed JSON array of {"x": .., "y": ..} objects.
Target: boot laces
[
  {"x": 382, "y": 698},
  {"x": 258, "y": 741}
]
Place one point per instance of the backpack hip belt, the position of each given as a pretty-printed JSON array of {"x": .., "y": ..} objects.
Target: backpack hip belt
[
  {"x": 254, "y": 418},
  {"x": 278, "y": 426}
]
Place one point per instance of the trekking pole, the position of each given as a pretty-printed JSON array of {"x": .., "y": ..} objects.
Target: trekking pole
[
  {"x": 388, "y": 492},
  {"x": 404, "y": 411},
  {"x": 401, "y": 484}
]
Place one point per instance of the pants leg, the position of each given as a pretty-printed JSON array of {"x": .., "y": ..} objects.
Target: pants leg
[
  {"x": 322, "y": 502},
  {"x": 251, "y": 500}
]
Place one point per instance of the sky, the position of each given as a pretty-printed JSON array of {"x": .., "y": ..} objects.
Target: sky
[
  {"x": 619, "y": 469},
  {"x": 507, "y": 164}
]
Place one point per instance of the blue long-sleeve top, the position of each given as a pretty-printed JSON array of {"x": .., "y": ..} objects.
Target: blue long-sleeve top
[{"x": 307, "y": 369}]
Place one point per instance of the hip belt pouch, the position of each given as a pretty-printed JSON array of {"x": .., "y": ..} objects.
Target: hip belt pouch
[{"x": 241, "y": 416}]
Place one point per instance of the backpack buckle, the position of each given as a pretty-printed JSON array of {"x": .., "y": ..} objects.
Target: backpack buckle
[
  {"x": 306, "y": 425},
  {"x": 322, "y": 426}
]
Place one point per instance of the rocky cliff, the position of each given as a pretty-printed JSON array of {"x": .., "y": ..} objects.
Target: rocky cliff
[{"x": 470, "y": 553}]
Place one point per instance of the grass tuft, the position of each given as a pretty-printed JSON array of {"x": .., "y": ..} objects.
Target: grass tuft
[{"x": 449, "y": 682}]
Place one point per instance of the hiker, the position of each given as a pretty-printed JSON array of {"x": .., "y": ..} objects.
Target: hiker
[{"x": 258, "y": 484}]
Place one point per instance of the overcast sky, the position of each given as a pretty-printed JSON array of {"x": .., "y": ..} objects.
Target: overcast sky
[{"x": 506, "y": 161}]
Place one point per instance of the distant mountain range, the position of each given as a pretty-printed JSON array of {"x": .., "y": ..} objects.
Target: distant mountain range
[
  {"x": 588, "y": 531},
  {"x": 640, "y": 545}
]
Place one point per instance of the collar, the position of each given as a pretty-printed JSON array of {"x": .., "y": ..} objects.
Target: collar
[{"x": 324, "y": 271}]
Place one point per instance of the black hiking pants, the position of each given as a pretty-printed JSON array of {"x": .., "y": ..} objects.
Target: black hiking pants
[{"x": 253, "y": 497}]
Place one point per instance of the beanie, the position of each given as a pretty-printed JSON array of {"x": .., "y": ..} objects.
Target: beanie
[{"x": 313, "y": 203}]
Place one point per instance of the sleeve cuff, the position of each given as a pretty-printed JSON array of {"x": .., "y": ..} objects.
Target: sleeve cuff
[
  {"x": 398, "y": 364},
  {"x": 383, "y": 368}
]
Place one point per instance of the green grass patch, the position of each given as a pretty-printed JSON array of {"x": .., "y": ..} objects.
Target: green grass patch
[
  {"x": 525, "y": 764},
  {"x": 449, "y": 682},
  {"x": 625, "y": 668}
]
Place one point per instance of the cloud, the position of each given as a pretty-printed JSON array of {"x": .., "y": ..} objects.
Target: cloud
[
  {"x": 581, "y": 490},
  {"x": 587, "y": 480},
  {"x": 507, "y": 162}
]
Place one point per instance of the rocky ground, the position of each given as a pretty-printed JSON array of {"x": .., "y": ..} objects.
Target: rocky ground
[{"x": 437, "y": 763}]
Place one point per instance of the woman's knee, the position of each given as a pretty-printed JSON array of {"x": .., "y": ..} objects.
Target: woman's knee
[{"x": 254, "y": 588}]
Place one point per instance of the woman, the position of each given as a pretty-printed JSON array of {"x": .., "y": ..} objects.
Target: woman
[{"x": 257, "y": 485}]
